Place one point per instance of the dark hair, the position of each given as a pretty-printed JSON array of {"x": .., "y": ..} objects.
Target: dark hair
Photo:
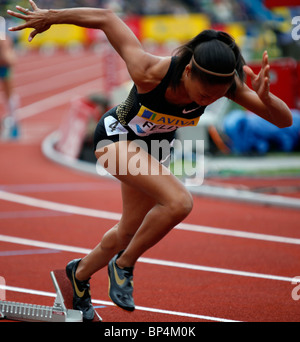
[{"x": 215, "y": 51}]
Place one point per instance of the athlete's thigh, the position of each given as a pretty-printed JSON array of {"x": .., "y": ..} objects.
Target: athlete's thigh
[{"x": 153, "y": 179}]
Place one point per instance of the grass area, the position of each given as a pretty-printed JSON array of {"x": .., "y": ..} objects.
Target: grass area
[
  {"x": 181, "y": 168},
  {"x": 258, "y": 173}
]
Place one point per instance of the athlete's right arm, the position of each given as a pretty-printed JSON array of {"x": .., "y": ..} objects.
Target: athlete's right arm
[{"x": 139, "y": 63}]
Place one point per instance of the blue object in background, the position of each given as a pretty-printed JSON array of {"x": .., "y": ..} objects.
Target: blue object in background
[
  {"x": 260, "y": 11},
  {"x": 250, "y": 133}
]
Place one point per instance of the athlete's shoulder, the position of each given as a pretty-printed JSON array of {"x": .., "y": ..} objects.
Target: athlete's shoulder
[{"x": 155, "y": 73}]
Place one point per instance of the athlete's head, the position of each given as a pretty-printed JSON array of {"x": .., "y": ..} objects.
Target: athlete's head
[{"x": 208, "y": 66}]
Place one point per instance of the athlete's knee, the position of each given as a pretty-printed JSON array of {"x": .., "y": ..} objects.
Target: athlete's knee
[{"x": 182, "y": 205}]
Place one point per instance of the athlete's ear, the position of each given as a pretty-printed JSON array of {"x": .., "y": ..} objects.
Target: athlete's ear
[{"x": 187, "y": 71}]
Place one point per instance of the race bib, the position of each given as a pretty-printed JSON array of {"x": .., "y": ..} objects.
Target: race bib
[
  {"x": 113, "y": 126},
  {"x": 148, "y": 122}
]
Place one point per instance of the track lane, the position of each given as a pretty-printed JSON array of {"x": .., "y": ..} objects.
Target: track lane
[{"x": 205, "y": 293}]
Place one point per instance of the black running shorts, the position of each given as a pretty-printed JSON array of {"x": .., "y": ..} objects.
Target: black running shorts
[{"x": 109, "y": 131}]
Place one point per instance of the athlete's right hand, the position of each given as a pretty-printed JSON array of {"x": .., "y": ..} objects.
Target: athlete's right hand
[{"x": 36, "y": 19}]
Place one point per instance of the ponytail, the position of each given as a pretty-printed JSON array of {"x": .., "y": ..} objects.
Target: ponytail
[{"x": 215, "y": 51}]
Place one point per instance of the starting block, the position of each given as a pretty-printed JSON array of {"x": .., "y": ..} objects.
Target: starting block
[{"x": 60, "y": 312}]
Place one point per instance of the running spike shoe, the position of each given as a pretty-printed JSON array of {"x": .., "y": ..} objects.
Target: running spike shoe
[
  {"x": 121, "y": 285},
  {"x": 81, "y": 292}
]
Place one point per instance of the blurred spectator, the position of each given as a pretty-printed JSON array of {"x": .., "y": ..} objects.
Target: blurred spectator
[
  {"x": 9, "y": 125},
  {"x": 220, "y": 9}
]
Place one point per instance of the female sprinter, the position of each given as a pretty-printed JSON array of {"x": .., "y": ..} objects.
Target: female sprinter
[{"x": 205, "y": 69}]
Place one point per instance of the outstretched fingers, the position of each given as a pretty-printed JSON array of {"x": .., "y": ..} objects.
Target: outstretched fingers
[
  {"x": 36, "y": 19},
  {"x": 23, "y": 10},
  {"x": 249, "y": 72},
  {"x": 18, "y": 28},
  {"x": 17, "y": 15},
  {"x": 33, "y": 5},
  {"x": 26, "y": 11}
]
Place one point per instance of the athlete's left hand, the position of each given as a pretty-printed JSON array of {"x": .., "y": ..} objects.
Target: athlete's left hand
[
  {"x": 36, "y": 19},
  {"x": 261, "y": 82}
]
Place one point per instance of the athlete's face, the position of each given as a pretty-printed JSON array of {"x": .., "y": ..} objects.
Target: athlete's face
[{"x": 202, "y": 93}]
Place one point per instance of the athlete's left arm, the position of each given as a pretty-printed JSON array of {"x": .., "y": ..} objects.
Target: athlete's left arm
[{"x": 260, "y": 100}]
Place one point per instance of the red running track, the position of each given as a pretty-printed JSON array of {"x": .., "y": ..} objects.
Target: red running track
[{"x": 242, "y": 271}]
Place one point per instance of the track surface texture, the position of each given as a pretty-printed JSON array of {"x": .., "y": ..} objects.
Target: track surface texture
[{"x": 228, "y": 261}]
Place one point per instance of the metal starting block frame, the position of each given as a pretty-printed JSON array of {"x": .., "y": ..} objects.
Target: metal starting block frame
[{"x": 38, "y": 313}]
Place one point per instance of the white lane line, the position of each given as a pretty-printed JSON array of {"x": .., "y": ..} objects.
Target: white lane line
[
  {"x": 56, "y": 82},
  {"x": 103, "y": 302},
  {"x": 58, "y": 67},
  {"x": 70, "y": 209},
  {"x": 80, "y": 250},
  {"x": 58, "y": 99},
  {"x": 239, "y": 234},
  {"x": 42, "y": 244},
  {"x": 63, "y": 76}
]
